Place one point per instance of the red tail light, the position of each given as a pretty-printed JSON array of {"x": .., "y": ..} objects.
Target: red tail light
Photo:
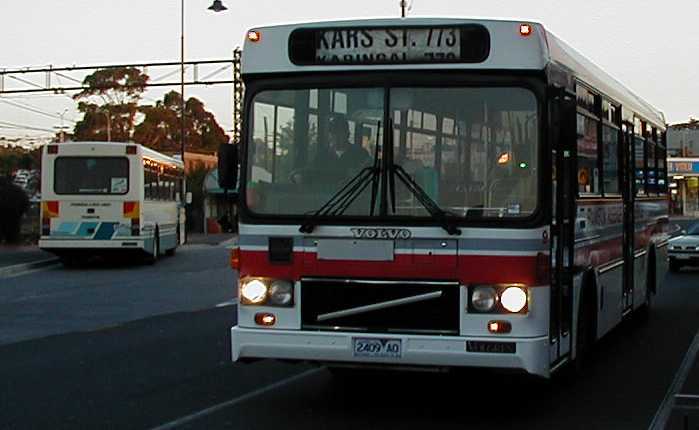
[
  {"x": 131, "y": 210},
  {"x": 52, "y": 207},
  {"x": 49, "y": 209}
]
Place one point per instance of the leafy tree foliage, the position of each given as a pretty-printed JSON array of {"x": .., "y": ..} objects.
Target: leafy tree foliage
[
  {"x": 13, "y": 204},
  {"x": 161, "y": 127},
  {"x": 110, "y": 104},
  {"x": 111, "y": 108}
]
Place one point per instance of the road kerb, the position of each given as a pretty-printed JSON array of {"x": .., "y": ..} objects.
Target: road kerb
[{"x": 21, "y": 268}]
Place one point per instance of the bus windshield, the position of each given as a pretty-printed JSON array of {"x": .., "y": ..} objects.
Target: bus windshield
[
  {"x": 91, "y": 175},
  {"x": 472, "y": 150}
]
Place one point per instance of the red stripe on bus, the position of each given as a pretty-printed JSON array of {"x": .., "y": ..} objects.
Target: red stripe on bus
[{"x": 468, "y": 269}]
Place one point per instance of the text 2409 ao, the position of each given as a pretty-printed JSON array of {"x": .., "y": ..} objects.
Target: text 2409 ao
[{"x": 440, "y": 193}]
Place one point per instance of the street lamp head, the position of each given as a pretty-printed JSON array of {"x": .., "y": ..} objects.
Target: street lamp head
[{"x": 217, "y": 6}]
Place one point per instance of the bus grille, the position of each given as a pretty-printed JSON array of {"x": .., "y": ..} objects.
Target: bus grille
[{"x": 436, "y": 310}]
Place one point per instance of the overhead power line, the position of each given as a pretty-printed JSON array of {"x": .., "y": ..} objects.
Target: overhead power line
[
  {"x": 35, "y": 110},
  {"x": 5, "y": 124}
]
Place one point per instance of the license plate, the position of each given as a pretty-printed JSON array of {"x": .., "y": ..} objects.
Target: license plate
[
  {"x": 376, "y": 347},
  {"x": 491, "y": 347}
]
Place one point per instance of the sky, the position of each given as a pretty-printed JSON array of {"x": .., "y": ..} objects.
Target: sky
[{"x": 649, "y": 46}]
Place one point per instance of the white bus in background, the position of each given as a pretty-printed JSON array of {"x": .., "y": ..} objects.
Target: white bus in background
[{"x": 105, "y": 197}]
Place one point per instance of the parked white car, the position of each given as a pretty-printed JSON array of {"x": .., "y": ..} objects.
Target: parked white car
[{"x": 684, "y": 249}]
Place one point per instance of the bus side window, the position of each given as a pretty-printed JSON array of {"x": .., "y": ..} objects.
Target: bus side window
[{"x": 588, "y": 173}]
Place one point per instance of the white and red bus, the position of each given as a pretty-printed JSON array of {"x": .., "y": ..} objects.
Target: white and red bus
[{"x": 441, "y": 193}]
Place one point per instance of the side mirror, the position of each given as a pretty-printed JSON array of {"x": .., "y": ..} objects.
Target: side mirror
[
  {"x": 188, "y": 198},
  {"x": 228, "y": 166}
]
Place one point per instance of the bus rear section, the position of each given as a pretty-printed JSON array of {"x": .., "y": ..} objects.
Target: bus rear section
[{"x": 91, "y": 199}]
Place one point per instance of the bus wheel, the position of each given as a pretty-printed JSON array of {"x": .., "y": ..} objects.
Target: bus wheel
[
  {"x": 69, "y": 261},
  {"x": 644, "y": 310},
  {"x": 170, "y": 252},
  {"x": 583, "y": 332},
  {"x": 156, "y": 249}
]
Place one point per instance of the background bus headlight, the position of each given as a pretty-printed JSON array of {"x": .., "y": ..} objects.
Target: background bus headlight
[
  {"x": 513, "y": 299},
  {"x": 281, "y": 293},
  {"x": 484, "y": 299},
  {"x": 253, "y": 292}
]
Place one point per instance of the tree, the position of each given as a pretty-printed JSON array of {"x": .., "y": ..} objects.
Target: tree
[
  {"x": 110, "y": 104},
  {"x": 13, "y": 204},
  {"x": 161, "y": 127}
]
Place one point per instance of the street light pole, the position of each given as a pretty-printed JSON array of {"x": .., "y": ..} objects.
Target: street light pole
[
  {"x": 217, "y": 6},
  {"x": 182, "y": 102}
]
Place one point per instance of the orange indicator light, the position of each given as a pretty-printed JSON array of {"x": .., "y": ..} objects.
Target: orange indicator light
[
  {"x": 504, "y": 158},
  {"x": 264, "y": 318},
  {"x": 526, "y": 30},
  {"x": 254, "y": 36},
  {"x": 499, "y": 327}
]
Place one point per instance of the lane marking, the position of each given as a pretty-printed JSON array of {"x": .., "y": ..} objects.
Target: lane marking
[
  {"x": 232, "y": 302},
  {"x": 665, "y": 410},
  {"x": 27, "y": 268},
  {"x": 210, "y": 410}
]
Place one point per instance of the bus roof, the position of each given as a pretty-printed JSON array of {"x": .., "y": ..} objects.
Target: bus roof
[
  {"x": 509, "y": 50},
  {"x": 147, "y": 152}
]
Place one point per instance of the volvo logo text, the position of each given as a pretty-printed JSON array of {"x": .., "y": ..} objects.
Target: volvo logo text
[{"x": 381, "y": 233}]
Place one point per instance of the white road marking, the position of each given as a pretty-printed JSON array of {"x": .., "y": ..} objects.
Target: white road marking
[
  {"x": 210, "y": 410},
  {"x": 32, "y": 270},
  {"x": 228, "y": 303},
  {"x": 665, "y": 410}
]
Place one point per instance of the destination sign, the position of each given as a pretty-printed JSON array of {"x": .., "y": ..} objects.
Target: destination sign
[{"x": 394, "y": 45}]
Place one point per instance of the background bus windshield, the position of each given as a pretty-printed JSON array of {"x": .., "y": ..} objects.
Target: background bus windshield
[
  {"x": 91, "y": 175},
  {"x": 472, "y": 150}
]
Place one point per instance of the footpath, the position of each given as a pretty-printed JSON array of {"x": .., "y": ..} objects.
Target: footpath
[{"x": 21, "y": 258}]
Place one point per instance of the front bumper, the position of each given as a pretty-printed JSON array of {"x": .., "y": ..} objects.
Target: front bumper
[
  {"x": 683, "y": 257},
  {"x": 532, "y": 354}
]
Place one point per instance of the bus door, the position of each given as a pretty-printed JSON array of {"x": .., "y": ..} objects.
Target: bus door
[
  {"x": 628, "y": 183},
  {"x": 564, "y": 193}
]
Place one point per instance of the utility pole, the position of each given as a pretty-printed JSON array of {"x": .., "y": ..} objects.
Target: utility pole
[
  {"x": 62, "y": 128},
  {"x": 182, "y": 102}
]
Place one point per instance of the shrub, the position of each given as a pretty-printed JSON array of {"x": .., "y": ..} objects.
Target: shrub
[{"x": 13, "y": 204}]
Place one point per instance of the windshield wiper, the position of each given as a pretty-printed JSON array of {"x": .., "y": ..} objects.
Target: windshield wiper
[
  {"x": 345, "y": 196},
  {"x": 436, "y": 212}
]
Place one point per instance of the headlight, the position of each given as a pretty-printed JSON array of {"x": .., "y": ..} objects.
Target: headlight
[
  {"x": 253, "y": 292},
  {"x": 514, "y": 299},
  {"x": 264, "y": 291},
  {"x": 281, "y": 293},
  {"x": 484, "y": 299}
]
